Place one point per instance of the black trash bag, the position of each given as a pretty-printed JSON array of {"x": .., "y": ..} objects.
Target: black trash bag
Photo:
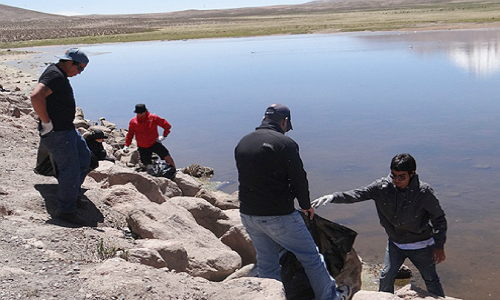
[
  {"x": 162, "y": 169},
  {"x": 45, "y": 165},
  {"x": 334, "y": 241}
]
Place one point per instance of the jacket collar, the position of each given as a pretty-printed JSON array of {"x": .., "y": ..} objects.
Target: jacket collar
[{"x": 268, "y": 124}]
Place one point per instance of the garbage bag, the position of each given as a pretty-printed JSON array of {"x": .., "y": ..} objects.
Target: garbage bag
[
  {"x": 45, "y": 165},
  {"x": 334, "y": 241},
  {"x": 162, "y": 169}
]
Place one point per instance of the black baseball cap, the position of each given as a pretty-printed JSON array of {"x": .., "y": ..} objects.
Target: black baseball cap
[{"x": 281, "y": 110}]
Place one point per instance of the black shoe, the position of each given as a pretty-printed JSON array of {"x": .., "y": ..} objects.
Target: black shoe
[
  {"x": 72, "y": 218},
  {"x": 81, "y": 203}
]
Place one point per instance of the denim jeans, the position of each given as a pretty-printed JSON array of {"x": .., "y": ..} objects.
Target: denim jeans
[
  {"x": 271, "y": 234},
  {"x": 421, "y": 259},
  {"x": 72, "y": 157}
]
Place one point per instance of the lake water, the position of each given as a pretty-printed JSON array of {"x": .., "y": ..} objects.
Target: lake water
[{"x": 357, "y": 99}]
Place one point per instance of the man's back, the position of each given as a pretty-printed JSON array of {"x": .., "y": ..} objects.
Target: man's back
[{"x": 270, "y": 172}]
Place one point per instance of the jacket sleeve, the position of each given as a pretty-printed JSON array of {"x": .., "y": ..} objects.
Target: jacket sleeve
[
  {"x": 130, "y": 133},
  {"x": 299, "y": 185},
  {"x": 437, "y": 218},
  {"x": 357, "y": 195},
  {"x": 164, "y": 124}
]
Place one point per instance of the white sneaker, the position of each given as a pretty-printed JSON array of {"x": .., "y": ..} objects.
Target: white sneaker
[{"x": 345, "y": 292}]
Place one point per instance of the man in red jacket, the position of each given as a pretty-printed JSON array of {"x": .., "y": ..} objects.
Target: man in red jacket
[{"x": 145, "y": 128}]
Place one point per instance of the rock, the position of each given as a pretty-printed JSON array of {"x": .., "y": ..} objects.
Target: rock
[
  {"x": 410, "y": 292},
  {"x": 219, "y": 199},
  {"x": 249, "y": 270},
  {"x": 146, "y": 256},
  {"x": 118, "y": 279},
  {"x": 172, "y": 252},
  {"x": 198, "y": 171},
  {"x": 156, "y": 189},
  {"x": 208, "y": 257},
  {"x": 237, "y": 239},
  {"x": 204, "y": 213},
  {"x": 189, "y": 185}
]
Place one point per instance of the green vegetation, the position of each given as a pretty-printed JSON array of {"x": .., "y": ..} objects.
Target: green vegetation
[
  {"x": 105, "y": 252},
  {"x": 425, "y": 16}
]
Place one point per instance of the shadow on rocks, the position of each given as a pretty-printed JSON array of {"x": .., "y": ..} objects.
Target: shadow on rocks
[{"x": 85, "y": 207}]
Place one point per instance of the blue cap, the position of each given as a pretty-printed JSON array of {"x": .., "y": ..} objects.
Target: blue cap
[{"x": 75, "y": 54}]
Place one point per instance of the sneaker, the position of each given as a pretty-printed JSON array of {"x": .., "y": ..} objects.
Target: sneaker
[
  {"x": 345, "y": 292},
  {"x": 72, "y": 218}
]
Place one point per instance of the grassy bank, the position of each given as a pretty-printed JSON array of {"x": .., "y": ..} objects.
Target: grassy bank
[{"x": 428, "y": 16}]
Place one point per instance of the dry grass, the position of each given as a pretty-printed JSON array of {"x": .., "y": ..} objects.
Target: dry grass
[{"x": 239, "y": 23}]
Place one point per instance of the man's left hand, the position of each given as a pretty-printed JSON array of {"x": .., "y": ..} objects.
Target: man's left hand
[
  {"x": 438, "y": 255},
  {"x": 160, "y": 139}
]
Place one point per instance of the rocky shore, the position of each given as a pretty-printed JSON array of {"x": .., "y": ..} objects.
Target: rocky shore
[{"x": 151, "y": 238}]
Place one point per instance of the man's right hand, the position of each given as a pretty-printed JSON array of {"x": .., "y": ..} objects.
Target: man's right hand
[
  {"x": 45, "y": 128},
  {"x": 125, "y": 149},
  {"x": 324, "y": 200}
]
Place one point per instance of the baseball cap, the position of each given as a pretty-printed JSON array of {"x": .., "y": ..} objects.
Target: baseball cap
[
  {"x": 140, "y": 108},
  {"x": 75, "y": 54},
  {"x": 282, "y": 110}
]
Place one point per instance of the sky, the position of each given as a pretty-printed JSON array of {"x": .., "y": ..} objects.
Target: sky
[{"x": 107, "y": 7}]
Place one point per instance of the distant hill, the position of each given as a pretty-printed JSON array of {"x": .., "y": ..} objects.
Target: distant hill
[
  {"x": 10, "y": 13},
  {"x": 19, "y": 27}
]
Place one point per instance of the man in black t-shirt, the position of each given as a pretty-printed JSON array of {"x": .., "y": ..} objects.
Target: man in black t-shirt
[{"x": 54, "y": 102}]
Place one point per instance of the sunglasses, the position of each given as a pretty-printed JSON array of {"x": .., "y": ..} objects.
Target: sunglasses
[
  {"x": 398, "y": 177},
  {"x": 78, "y": 66}
]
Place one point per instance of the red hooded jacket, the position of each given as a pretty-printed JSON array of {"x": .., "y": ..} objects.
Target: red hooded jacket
[{"x": 145, "y": 130}]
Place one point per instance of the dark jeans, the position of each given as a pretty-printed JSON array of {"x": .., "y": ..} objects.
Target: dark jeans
[
  {"x": 72, "y": 157},
  {"x": 421, "y": 259}
]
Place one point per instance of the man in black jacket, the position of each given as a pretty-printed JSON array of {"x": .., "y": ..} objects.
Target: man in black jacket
[
  {"x": 411, "y": 216},
  {"x": 271, "y": 176}
]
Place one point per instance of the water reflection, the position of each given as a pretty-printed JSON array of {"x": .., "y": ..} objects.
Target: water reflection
[
  {"x": 479, "y": 58},
  {"x": 474, "y": 51}
]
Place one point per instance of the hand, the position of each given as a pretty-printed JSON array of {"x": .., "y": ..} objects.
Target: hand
[
  {"x": 125, "y": 149},
  {"x": 45, "y": 128},
  {"x": 324, "y": 200},
  {"x": 160, "y": 139},
  {"x": 309, "y": 212},
  {"x": 438, "y": 255}
]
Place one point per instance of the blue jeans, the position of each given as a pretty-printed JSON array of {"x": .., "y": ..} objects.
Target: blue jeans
[
  {"x": 421, "y": 259},
  {"x": 72, "y": 157},
  {"x": 271, "y": 234}
]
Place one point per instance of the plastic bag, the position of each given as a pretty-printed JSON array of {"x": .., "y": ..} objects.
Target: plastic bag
[
  {"x": 334, "y": 241},
  {"x": 45, "y": 165},
  {"x": 162, "y": 169}
]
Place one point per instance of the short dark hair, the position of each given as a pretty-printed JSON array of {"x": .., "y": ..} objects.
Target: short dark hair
[{"x": 404, "y": 162}]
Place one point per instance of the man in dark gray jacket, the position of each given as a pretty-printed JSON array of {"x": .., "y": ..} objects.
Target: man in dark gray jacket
[
  {"x": 271, "y": 176},
  {"x": 411, "y": 216}
]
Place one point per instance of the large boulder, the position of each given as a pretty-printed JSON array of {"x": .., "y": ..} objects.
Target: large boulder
[
  {"x": 208, "y": 257},
  {"x": 156, "y": 189},
  {"x": 118, "y": 279},
  {"x": 172, "y": 252},
  {"x": 204, "y": 213},
  {"x": 219, "y": 199},
  {"x": 238, "y": 239},
  {"x": 188, "y": 184}
]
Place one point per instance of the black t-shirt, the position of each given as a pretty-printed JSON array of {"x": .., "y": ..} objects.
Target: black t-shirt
[{"x": 61, "y": 104}]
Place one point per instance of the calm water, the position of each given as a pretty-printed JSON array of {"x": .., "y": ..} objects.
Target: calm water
[{"x": 356, "y": 100}]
